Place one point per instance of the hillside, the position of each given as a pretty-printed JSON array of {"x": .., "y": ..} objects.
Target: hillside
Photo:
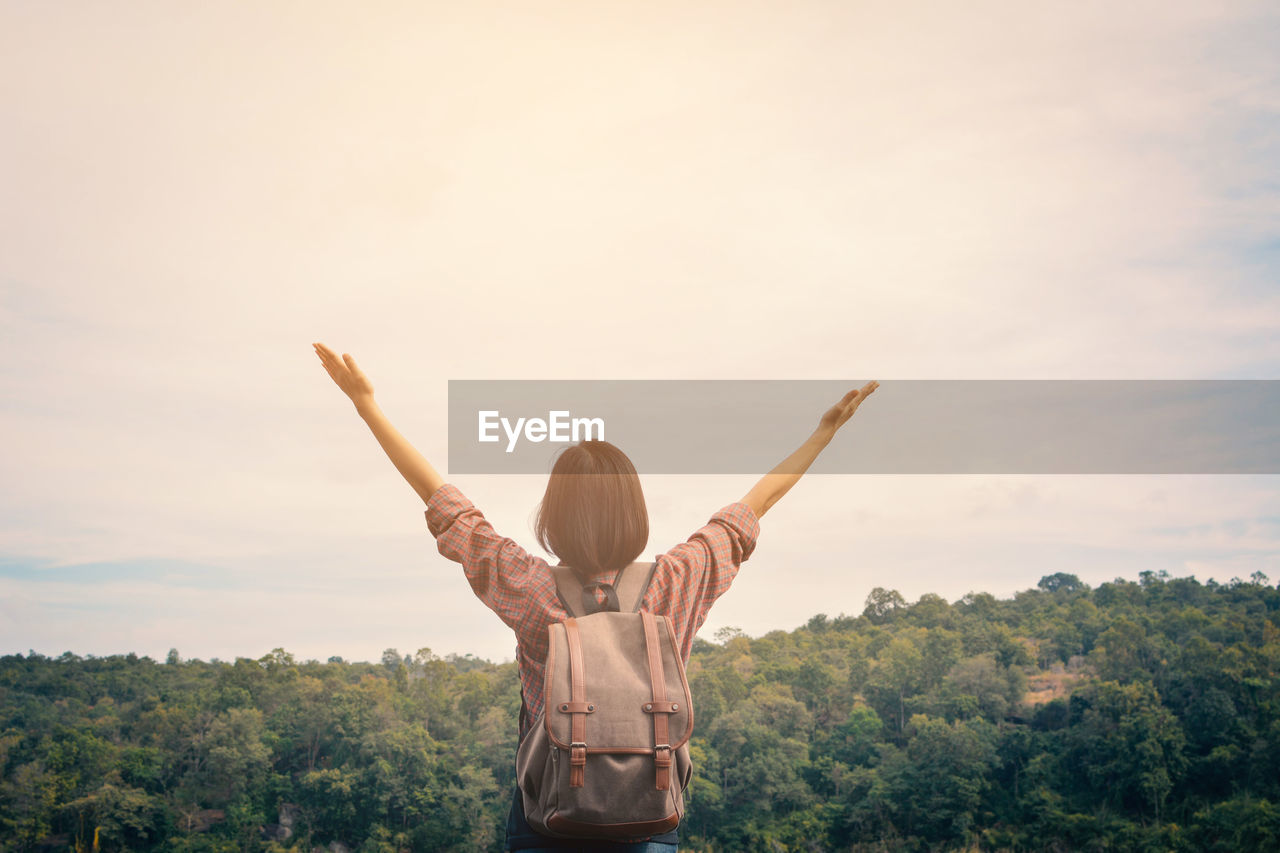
[{"x": 1132, "y": 716}]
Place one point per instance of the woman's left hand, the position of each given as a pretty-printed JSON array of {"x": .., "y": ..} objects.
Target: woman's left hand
[
  {"x": 839, "y": 414},
  {"x": 344, "y": 371}
]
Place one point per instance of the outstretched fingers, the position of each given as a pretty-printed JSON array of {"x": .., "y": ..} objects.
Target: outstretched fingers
[
  {"x": 345, "y": 372},
  {"x": 326, "y": 354},
  {"x": 857, "y": 395},
  {"x": 329, "y": 358},
  {"x": 338, "y": 371},
  {"x": 850, "y": 402}
]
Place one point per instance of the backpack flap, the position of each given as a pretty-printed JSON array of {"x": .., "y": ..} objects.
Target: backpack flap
[{"x": 621, "y": 705}]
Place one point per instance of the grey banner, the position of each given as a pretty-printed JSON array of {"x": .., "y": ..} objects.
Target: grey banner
[{"x": 905, "y": 427}]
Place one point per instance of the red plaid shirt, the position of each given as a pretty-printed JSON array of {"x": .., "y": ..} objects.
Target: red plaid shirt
[{"x": 520, "y": 589}]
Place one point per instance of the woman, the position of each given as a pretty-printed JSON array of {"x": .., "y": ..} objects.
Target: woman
[{"x": 592, "y": 518}]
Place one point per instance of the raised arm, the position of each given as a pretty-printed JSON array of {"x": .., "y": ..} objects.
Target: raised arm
[
  {"x": 411, "y": 464},
  {"x": 787, "y": 473}
]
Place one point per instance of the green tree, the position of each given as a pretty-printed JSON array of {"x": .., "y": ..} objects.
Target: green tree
[
  {"x": 123, "y": 818},
  {"x": 1127, "y": 748},
  {"x": 898, "y": 674},
  {"x": 1061, "y": 582},
  {"x": 882, "y": 604},
  {"x": 951, "y": 766}
]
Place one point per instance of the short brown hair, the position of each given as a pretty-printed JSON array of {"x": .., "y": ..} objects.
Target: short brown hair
[{"x": 593, "y": 516}]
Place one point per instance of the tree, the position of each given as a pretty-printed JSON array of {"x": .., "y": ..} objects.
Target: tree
[
  {"x": 898, "y": 674},
  {"x": 115, "y": 816},
  {"x": 1061, "y": 582},
  {"x": 853, "y": 742},
  {"x": 1125, "y": 747},
  {"x": 1238, "y": 825},
  {"x": 1125, "y": 651},
  {"x": 727, "y": 633},
  {"x": 950, "y": 769},
  {"x": 277, "y": 658},
  {"x": 882, "y": 604},
  {"x": 990, "y": 686},
  {"x": 232, "y": 758}
]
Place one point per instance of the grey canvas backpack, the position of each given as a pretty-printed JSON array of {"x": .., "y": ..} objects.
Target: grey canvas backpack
[{"x": 608, "y": 757}]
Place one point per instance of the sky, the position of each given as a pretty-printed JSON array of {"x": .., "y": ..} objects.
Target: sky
[{"x": 191, "y": 194}]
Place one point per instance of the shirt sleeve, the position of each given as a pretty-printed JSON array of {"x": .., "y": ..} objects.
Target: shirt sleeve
[
  {"x": 508, "y": 579},
  {"x": 692, "y": 575}
]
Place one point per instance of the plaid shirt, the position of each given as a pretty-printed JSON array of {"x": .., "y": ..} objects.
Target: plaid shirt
[{"x": 520, "y": 589}]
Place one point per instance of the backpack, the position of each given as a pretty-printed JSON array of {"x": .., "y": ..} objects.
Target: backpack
[{"x": 608, "y": 756}]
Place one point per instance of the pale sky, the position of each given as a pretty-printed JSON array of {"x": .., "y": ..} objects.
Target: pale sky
[{"x": 190, "y": 194}]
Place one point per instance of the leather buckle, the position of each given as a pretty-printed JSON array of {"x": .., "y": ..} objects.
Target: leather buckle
[{"x": 577, "y": 764}]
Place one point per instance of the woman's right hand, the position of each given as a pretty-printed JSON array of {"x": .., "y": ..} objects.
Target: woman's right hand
[
  {"x": 839, "y": 414},
  {"x": 346, "y": 374}
]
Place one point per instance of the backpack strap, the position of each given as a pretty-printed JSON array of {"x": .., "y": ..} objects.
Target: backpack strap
[
  {"x": 573, "y": 596},
  {"x": 623, "y": 595},
  {"x": 578, "y": 706},
  {"x": 632, "y": 583},
  {"x": 658, "y": 706},
  {"x": 567, "y": 589}
]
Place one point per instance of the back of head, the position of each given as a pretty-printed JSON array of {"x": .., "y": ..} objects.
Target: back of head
[{"x": 593, "y": 515}]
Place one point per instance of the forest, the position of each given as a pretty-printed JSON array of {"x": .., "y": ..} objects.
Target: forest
[{"x": 1140, "y": 715}]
